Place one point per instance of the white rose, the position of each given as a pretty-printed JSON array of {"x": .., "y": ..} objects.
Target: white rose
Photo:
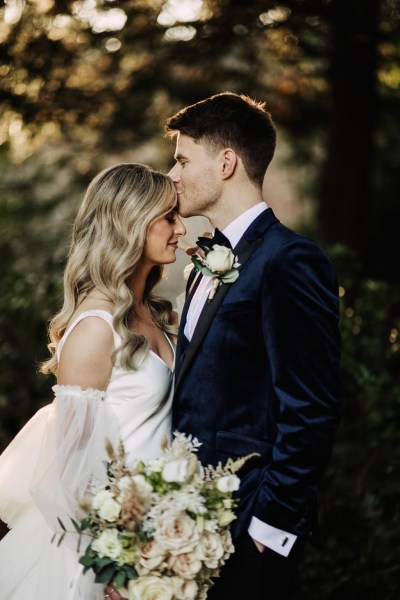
[
  {"x": 228, "y": 483},
  {"x": 186, "y": 565},
  {"x": 151, "y": 588},
  {"x": 106, "y": 507},
  {"x": 110, "y": 510},
  {"x": 210, "y": 550},
  {"x": 175, "y": 471},
  {"x": 108, "y": 544},
  {"x": 220, "y": 259},
  {"x": 100, "y": 498},
  {"x": 178, "y": 534}
]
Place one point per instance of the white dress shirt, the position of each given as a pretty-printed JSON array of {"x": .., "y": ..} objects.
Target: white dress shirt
[{"x": 276, "y": 539}]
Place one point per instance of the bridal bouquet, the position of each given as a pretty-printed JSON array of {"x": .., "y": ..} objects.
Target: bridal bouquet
[{"x": 160, "y": 530}]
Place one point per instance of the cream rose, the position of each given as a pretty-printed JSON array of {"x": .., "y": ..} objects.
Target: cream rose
[
  {"x": 220, "y": 259},
  {"x": 226, "y": 540},
  {"x": 185, "y": 589},
  {"x": 151, "y": 588},
  {"x": 151, "y": 556},
  {"x": 228, "y": 483},
  {"x": 210, "y": 549},
  {"x": 186, "y": 565},
  {"x": 178, "y": 534},
  {"x": 108, "y": 544}
]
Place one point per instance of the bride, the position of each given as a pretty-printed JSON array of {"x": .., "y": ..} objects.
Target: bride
[{"x": 112, "y": 352}]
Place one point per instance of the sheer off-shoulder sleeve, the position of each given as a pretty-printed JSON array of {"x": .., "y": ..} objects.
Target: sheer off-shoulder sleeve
[
  {"x": 44, "y": 473},
  {"x": 57, "y": 455},
  {"x": 73, "y": 454}
]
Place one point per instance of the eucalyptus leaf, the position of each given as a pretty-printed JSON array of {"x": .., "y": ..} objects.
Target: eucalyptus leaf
[
  {"x": 86, "y": 561},
  {"x": 106, "y": 575},
  {"x": 131, "y": 572},
  {"x": 100, "y": 563},
  {"x": 119, "y": 579},
  {"x": 75, "y": 524}
]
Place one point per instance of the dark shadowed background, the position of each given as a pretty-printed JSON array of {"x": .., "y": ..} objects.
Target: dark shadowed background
[{"x": 88, "y": 83}]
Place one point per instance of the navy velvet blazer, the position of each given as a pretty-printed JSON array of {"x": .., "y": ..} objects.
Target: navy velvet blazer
[{"x": 261, "y": 375}]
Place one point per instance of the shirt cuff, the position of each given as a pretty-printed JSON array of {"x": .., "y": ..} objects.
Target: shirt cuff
[{"x": 276, "y": 539}]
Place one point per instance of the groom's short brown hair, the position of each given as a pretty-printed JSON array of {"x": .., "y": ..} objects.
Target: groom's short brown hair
[{"x": 229, "y": 120}]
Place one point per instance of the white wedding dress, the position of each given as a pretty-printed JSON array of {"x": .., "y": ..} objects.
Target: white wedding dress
[{"x": 49, "y": 465}]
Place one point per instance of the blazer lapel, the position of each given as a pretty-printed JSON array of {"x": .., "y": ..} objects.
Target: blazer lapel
[{"x": 252, "y": 237}]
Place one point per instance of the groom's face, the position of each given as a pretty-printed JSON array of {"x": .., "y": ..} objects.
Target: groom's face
[{"x": 195, "y": 175}]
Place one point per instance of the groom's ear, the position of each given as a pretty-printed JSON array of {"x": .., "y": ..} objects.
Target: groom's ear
[{"x": 228, "y": 163}]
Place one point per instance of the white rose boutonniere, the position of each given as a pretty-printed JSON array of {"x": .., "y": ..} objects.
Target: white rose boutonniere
[{"x": 218, "y": 262}]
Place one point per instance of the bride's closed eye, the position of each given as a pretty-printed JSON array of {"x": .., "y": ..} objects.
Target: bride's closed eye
[{"x": 172, "y": 216}]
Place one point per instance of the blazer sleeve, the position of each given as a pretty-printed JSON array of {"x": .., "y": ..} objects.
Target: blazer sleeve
[{"x": 300, "y": 314}]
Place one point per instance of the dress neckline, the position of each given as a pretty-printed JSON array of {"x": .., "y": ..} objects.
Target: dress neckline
[
  {"x": 109, "y": 318},
  {"x": 161, "y": 359}
]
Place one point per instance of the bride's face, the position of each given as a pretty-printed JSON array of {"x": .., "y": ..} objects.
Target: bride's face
[{"x": 162, "y": 238}]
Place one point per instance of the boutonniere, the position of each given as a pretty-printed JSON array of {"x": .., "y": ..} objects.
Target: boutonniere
[{"x": 218, "y": 262}]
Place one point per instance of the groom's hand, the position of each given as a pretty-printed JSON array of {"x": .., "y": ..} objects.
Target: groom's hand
[{"x": 260, "y": 546}]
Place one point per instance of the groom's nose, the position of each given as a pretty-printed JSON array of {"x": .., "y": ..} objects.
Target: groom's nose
[{"x": 174, "y": 173}]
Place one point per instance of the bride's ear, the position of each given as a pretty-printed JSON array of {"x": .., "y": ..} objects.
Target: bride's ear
[{"x": 229, "y": 161}]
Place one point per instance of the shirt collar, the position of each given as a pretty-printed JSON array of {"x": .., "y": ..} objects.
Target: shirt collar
[{"x": 236, "y": 229}]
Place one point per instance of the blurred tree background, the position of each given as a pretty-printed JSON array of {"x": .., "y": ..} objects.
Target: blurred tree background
[{"x": 88, "y": 83}]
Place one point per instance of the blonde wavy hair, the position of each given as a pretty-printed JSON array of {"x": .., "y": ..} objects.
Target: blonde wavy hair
[{"x": 107, "y": 243}]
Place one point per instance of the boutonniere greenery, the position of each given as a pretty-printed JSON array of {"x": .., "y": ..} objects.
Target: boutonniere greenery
[{"x": 218, "y": 262}]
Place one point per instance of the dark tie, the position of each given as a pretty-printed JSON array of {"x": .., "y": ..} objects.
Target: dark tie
[{"x": 218, "y": 238}]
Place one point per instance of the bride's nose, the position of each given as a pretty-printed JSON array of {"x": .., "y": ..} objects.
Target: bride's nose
[{"x": 180, "y": 229}]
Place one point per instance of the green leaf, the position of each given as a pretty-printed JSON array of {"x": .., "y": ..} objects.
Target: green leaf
[
  {"x": 61, "y": 524},
  {"x": 197, "y": 262},
  {"x": 86, "y": 561},
  {"x": 207, "y": 272},
  {"x": 230, "y": 276},
  {"x": 75, "y": 524},
  {"x": 62, "y": 536},
  {"x": 103, "y": 562},
  {"x": 120, "y": 579},
  {"x": 85, "y": 524},
  {"x": 106, "y": 575},
  {"x": 130, "y": 572}
]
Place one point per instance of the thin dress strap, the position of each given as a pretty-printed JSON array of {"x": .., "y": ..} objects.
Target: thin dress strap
[{"x": 102, "y": 314}]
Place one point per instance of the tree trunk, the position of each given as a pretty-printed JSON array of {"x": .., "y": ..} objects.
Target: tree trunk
[{"x": 345, "y": 179}]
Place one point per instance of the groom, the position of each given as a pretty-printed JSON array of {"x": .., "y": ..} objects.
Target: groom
[{"x": 257, "y": 365}]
